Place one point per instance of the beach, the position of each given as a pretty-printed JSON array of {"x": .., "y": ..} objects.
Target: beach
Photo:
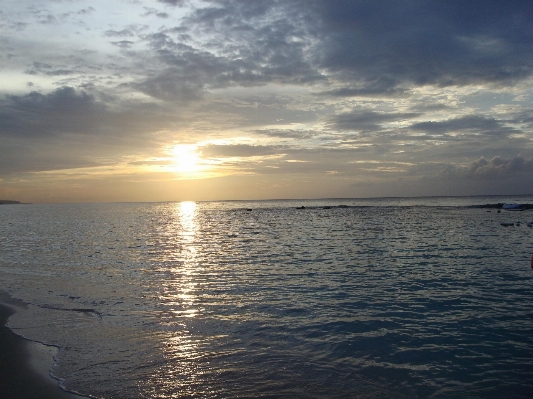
[{"x": 24, "y": 364}]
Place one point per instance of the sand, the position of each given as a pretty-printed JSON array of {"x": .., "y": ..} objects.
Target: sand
[{"x": 24, "y": 364}]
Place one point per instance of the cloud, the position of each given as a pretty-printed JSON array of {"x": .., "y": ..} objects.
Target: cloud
[
  {"x": 18, "y": 157},
  {"x": 496, "y": 168},
  {"x": 67, "y": 111},
  {"x": 288, "y": 133},
  {"x": 153, "y": 11},
  {"x": 48, "y": 20},
  {"x": 35, "y": 114},
  {"x": 87, "y": 10},
  {"x": 172, "y": 85},
  {"x": 75, "y": 128},
  {"x": 469, "y": 123},
  {"x": 123, "y": 43},
  {"x": 369, "y": 89},
  {"x": 239, "y": 150},
  {"x": 178, "y": 3},
  {"x": 369, "y": 49},
  {"x": 347, "y": 88},
  {"x": 425, "y": 42},
  {"x": 248, "y": 44},
  {"x": 366, "y": 120},
  {"x": 526, "y": 117},
  {"x": 122, "y": 33},
  {"x": 40, "y": 68}
]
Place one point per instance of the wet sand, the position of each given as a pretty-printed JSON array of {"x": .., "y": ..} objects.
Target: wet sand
[{"x": 24, "y": 364}]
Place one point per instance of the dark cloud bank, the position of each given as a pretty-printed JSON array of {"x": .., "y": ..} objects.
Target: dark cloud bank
[{"x": 376, "y": 47}]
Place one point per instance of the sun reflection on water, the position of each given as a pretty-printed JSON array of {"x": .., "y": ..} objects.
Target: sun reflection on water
[
  {"x": 189, "y": 267},
  {"x": 187, "y": 219},
  {"x": 179, "y": 296}
]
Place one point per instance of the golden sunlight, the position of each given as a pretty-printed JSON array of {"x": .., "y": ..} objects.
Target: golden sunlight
[{"x": 185, "y": 158}]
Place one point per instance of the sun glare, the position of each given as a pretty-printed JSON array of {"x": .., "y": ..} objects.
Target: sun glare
[{"x": 186, "y": 160}]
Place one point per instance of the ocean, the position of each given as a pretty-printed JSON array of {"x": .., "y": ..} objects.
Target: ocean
[{"x": 347, "y": 298}]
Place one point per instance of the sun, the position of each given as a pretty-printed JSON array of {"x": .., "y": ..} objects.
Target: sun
[{"x": 185, "y": 158}]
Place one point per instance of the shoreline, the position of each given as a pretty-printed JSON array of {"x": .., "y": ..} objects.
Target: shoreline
[{"x": 25, "y": 364}]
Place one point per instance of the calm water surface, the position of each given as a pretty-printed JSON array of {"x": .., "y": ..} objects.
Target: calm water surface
[{"x": 383, "y": 298}]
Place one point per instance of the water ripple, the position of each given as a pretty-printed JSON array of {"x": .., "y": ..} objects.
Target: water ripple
[{"x": 212, "y": 300}]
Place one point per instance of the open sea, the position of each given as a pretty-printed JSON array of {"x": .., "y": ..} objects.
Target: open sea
[{"x": 347, "y": 298}]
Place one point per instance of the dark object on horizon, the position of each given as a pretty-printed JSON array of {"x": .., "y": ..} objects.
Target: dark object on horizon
[
  {"x": 499, "y": 205},
  {"x": 326, "y": 207},
  {"x": 508, "y": 207},
  {"x": 9, "y": 202},
  {"x": 301, "y": 207},
  {"x": 516, "y": 207},
  {"x": 249, "y": 210}
]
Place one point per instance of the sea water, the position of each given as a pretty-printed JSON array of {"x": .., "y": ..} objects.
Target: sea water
[{"x": 375, "y": 298}]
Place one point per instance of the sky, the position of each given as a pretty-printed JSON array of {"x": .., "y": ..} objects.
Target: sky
[{"x": 173, "y": 100}]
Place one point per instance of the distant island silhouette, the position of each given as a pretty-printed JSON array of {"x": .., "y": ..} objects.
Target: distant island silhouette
[{"x": 9, "y": 202}]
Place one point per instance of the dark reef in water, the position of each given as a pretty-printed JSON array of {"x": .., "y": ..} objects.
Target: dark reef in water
[{"x": 501, "y": 204}]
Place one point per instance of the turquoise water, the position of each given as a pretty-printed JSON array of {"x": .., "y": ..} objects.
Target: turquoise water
[{"x": 376, "y": 298}]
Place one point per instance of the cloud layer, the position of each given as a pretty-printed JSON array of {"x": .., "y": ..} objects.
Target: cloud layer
[{"x": 357, "y": 96}]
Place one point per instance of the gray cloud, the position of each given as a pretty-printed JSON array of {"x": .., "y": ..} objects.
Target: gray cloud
[
  {"x": 429, "y": 42},
  {"x": 496, "y": 168},
  {"x": 18, "y": 156},
  {"x": 123, "y": 43},
  {"x": 68, "y": 111},
  {"x": 239, "y": 150},
  {"x": 525, "y": 116},
  {"x": 48, "y": 20},
  {"x": 472, "y": 123},
  {"x": 153, "y": 11},
  {"x": 288, "y": 133},
  {"x": 256, "y": 45},
  {"x": 429, "y": 107},
  {"x": 35, "y": 114},
  {"x": 366, "y": 120},
  {"x": 383, "y": 49},
  {"x": 174, "y": 2},
  {"x": 172, "y": 85},
  {"x": 383, "y": 46},
  {"x": 69, "y": 127},
  {"x": 87, "y": 10},
  {"x": 368, "y": 89},
  {"x": 122, "y": 33},
  {"x": 40, "y": 68}
]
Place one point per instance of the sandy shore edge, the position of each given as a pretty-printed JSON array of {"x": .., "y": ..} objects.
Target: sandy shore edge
[{"x": 24, "y": 364}]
